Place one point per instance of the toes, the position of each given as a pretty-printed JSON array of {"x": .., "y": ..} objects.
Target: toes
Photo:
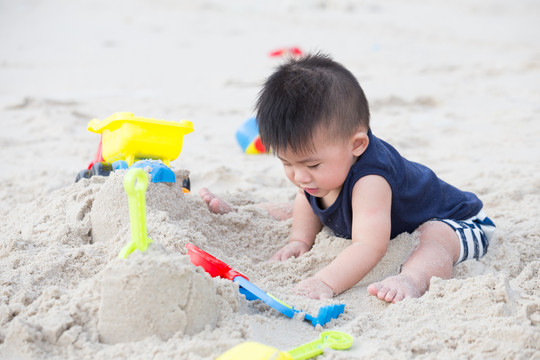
[
  {"x": 395, "y": 289},
  {"x": 382, "y": 291},
  {"x": 390, "y": 295},
  {"x": 218, "y": 206},
  {"x": 400, "y": 295},
  {"x": 206, "y": 195},
  {"x": 373, "y": 289},
  {"x": 215, "y": 205},
  {"x": 379, "y": 290}
]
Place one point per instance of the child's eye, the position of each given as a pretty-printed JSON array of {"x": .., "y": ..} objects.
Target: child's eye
[{"x": 313, "y": 166}]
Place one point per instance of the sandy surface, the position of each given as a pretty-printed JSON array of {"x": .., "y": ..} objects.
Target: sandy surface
[{"x": 454, "y": 85}]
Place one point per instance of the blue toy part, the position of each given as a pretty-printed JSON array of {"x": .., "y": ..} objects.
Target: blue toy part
[
  {"x": 160, "y": 172},
  {"x": 252, "y": 292},
  {"x": 326, "y": 313},
  {"x": 256, "y": 293},
  {"x": 120, "y": 164},
  {"x": 248, "y": 137}
]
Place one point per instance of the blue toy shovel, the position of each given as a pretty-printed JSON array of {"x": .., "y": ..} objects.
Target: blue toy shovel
[{"x": 216, "y": 267}]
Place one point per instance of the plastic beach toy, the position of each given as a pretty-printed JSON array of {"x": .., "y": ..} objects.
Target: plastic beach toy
[
  {"x": 159, "y": 172},
  {"x": 286, "y": 51},
  {"x": 254, "y": 351},
  {"x": 248, "y": 137},
  {"x": 135, "y": 185},
  {"x": 216, "y": 267},
  {"x": 128, "y": 137},
  {"x": 130, "y": 141}
]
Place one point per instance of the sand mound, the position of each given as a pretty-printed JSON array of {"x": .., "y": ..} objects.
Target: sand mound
[
  {"x": 74, "y": 291},
  {"x": 154, "y": 293},
  {"x": 110, "y": 212}
]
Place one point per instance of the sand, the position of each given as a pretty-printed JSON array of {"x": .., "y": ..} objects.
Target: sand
[{"x": 453, "y": 85}]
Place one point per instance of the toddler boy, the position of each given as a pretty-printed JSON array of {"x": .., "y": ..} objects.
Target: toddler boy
[{"x": 314, "y": 116}]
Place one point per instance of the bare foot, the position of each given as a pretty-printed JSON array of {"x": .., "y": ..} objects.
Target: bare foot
[
  {"x": 215, "y": 204},
  {"x": 397, "y": 288}
]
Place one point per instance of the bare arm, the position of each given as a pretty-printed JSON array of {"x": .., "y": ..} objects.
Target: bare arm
[
  {"x": 305, "y": 227},
  {"x": 372, "y": 200}
]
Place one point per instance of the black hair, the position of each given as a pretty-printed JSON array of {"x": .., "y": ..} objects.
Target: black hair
[{"x": 305, "y": 95}]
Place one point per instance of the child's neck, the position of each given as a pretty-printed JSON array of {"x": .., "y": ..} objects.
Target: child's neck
[{"x": 330, "y": 198}]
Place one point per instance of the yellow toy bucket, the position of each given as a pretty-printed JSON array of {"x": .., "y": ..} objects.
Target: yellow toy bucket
[{"x": 130, "y": 138}]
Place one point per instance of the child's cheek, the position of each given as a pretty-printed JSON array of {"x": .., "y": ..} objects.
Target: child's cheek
[{"x": 289, "y": 173}]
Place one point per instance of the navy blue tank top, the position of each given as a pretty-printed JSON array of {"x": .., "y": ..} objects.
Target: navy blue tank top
[{"x": 418, "y": 195}]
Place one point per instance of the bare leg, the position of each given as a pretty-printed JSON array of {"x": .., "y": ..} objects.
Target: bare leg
[
  {"x": 279, "y": 211},
  {"x": 435, "y": 255}
]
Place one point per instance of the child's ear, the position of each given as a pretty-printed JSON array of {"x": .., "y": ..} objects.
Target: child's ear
[{"x": 360, "y": 142}]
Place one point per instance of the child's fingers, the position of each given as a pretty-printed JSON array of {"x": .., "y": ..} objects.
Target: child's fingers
[
  {"x": 314, "y": 288},
  {"x": 291, "y": 249}
]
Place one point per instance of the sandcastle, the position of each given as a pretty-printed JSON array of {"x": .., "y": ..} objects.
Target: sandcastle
[{"x": 154, "y": 293}]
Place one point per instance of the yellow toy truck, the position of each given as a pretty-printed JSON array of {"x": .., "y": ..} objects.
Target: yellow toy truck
[{"x": 128, "y": 140}]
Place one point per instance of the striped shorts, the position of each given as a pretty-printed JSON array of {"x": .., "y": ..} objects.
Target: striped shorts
[{"x": 474, "y": 235}]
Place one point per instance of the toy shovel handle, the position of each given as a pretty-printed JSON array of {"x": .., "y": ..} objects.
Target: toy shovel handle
[
  {"x": 210, "y": 264},
  {"x": 333, "y": 339},
  {"x": 135, "y": 185}
]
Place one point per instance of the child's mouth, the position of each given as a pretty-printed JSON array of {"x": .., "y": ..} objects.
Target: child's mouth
[{"x": 311, "y": 190}]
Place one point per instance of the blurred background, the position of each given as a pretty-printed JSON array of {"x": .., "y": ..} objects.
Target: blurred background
[{"x": 422, "y": 64}]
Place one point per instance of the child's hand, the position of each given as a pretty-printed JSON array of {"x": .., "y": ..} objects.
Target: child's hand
[
  {"x": 294, "y": 248},
  {"x": 314, "y": 288}
]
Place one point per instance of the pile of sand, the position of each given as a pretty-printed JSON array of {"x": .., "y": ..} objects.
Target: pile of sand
[
  {"x": 155, "y": 293},
  {"x": 74, "y": 296}
]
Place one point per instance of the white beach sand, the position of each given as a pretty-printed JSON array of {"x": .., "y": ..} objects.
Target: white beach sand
[{"x": 453, "y": 85}]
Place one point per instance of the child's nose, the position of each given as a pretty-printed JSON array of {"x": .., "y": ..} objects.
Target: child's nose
[{"x": 301, "y": 176}]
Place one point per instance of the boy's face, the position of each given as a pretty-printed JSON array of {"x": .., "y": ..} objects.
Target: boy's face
[{"x": 323, "y": 171}]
